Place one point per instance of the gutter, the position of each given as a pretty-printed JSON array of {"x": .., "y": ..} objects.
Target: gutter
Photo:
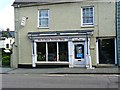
[
  {"x": 50, "y": 2},
  {"x": 37, "y": 4},
  {"x": 18, "y": 4}
]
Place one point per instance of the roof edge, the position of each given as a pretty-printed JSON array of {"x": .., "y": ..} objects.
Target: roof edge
[{"x": 22, "y": 4}]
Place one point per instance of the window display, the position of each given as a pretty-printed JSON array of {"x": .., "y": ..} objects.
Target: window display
[
  {"x": 52, "y": 51},
  {"x": 41, "y": 51}
]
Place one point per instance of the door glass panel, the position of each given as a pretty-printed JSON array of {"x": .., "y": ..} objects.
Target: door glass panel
[
  {"x": 79, "y": 51},
  {"x": 106, "y": 51},
  {"x": 41, "y": 51},
  {"x": 63, "y": 51},
  {"x": 52, "y": 51}
]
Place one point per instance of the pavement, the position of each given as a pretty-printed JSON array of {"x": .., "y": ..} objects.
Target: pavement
[{"x": 106, "y": 70}]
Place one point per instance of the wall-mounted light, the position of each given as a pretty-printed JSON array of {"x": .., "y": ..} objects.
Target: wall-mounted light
[{"x": 23, "y": 21}]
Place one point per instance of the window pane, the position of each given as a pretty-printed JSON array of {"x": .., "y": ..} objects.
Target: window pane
[
  {"x": 43, "y": 18},
  {"x": 43, "y": 13},
  {"x": 44, "y": 22},
  {"x": 88, "y": 15},
  {"x": 52, "y": 51},
  {"x": 79, "y": 51},
  {"x": 63, "y": 51},
  {"x": 91, "y": 20},
  {"x": 84, "y": 20},
  {"x": 41, "y": 51},
  {"x": 7, "y": 45}
]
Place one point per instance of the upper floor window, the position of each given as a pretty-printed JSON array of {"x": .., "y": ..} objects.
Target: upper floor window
[
  {"x": 44, "y": 18},
  {"x": 7, "y": 45},
  {"x": 87, "y": 16}
]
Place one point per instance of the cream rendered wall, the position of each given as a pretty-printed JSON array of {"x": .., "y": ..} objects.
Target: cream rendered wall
[
  {"x": 63, "y": 17},
  {"x": 107, "y": 19},
  {"x": 93, "y": 50},
  {"x": 25, "y": 44}
]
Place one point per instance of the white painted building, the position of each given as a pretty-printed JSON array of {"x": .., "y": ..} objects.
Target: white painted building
[
  {"x": 6, "y": 43},
  {"x": 2, "y": 43}
]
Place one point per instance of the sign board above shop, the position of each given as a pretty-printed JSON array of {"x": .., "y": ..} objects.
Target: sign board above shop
[
  {"x": 59, "y": 39},
  {"x": 51, "y": 39},
  {"x": 76, "y": 35}
]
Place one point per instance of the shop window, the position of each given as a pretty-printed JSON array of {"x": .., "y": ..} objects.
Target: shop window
[
  {"x": 106, "y": 51},
  {"x": 63, "y": 51},
  {"x": 41, "y": 51},
  {"x": 52, "y": 51}
]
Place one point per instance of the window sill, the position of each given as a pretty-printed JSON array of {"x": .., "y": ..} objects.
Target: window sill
[
  {"x": 43, "y": 27},
  {"x": 58, "y": 62},
  {"x": 87, "y": 26}
]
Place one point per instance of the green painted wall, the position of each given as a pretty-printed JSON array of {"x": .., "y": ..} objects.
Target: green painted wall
[{"x": 118, "y": 31}]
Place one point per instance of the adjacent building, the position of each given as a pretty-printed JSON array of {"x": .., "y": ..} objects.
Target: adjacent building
[
  {"x": 6, "y": 39},
  {"x": 118, "y": 29},
  {"x": 74, "y": 33}
]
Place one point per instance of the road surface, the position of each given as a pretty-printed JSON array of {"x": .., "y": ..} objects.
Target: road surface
[{"x": 58, "y": 81}]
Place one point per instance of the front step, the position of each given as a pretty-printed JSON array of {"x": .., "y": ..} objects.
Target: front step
[{"x": 106, "y": 66}]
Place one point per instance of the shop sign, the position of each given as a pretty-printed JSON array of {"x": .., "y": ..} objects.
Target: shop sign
[
  {"x": 78, "y": 39},
  {"x": 59, "y": 39},
  {"x": 52, "y": 39}
]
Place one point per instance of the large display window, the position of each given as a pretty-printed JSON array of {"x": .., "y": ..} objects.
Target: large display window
[
  {"x": 63, "y": 51},
  {"x": 52, "y": 51},
  {"x": 41, "y": 51}
]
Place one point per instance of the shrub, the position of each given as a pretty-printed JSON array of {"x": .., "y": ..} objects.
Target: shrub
[{"x": 6, "y": 60}]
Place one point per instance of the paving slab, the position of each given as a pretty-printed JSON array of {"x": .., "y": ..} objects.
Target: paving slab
[
  {"x": 61, "y": 71},
  {"x": 4, "y": 70}
]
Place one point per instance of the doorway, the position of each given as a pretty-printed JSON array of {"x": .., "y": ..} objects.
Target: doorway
[
  {"x": 106, "y": 49},
  {"x": 79, "y": 54}
]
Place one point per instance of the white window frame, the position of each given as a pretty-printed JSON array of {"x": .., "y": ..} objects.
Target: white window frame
[
  {"x": 42, "y": 17},
  {"x": 97, "y": 52},
  {"x": 58, "y": 60},
  {"x": 86, "y": 24}
]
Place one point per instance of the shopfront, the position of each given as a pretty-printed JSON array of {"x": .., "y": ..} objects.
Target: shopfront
[
  {"x": 61, "y": 48},
  {"x": 106, "y": 51}
]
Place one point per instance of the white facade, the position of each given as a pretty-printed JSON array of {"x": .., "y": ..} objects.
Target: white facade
[
  {"x": 2, "y": 43},
  {"x": 6, "y": 43},
  {"x": 78, "y": 49}
]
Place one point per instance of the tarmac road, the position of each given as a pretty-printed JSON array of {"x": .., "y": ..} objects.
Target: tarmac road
[{"x": 59, "y": 81}]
